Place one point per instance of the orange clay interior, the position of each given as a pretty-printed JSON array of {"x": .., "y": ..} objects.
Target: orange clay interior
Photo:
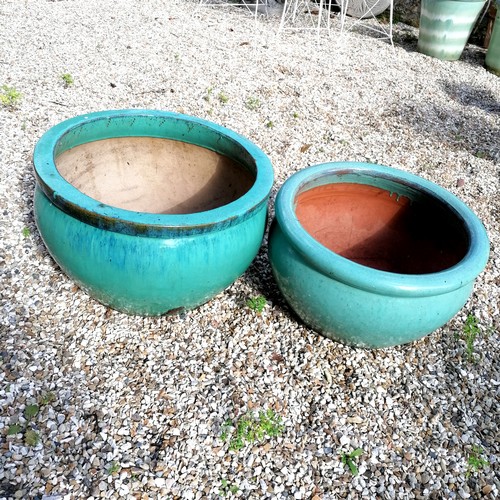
[{"x": 379, "y": 229}]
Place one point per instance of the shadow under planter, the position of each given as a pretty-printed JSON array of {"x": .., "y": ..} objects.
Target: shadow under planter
[
  {"x": 150, "y": 212},
  {"x": 372, "y": 256}
]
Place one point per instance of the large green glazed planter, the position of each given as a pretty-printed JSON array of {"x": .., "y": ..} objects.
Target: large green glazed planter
[
  {"x": 445, "y": 26},
  {"x": 372, "y": 256},
  {"x": 492, "y": 60},
  {"x": 150, "y": 212}
]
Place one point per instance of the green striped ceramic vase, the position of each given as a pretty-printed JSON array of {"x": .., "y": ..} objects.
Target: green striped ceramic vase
[{"x": 445, "y": 27}]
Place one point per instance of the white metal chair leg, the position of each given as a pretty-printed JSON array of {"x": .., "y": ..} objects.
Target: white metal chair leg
[
  {"x": 320, "y": 14},
  {"x": 344, "y": 4},
  {"x": 344, "y": 7},
  {"x": 327, "y": 6},
  {"x": 283, "y": 16},
  {"x": 254, "y": 3},
  {"x": 291, "y": 11}
]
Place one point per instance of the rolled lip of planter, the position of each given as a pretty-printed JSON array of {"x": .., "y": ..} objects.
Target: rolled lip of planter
[
  {"x": 68, "y": 134},
  {"x": 370, "y": 279}
]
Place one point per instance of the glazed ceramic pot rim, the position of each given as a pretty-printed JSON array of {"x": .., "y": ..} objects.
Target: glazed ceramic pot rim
[
  {"x": 72, "y": 201},
  {"x": 374, "y": 280}
]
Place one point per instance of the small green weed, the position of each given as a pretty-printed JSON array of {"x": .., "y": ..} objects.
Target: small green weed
[
  {"x": 349, "y": 460},
  {"x": 482, "y": 155},
  {"x": 470, "y": 333},
  {"x": 47, "y": 398},
  {"x": 226, "y": 427},
  {"x": 67, "y": 79},
  {"x": 226, "y": 487},
  {"x": 114, "y": 468},
  {"x": 252, "y": 103},
  {"x": 31, "y": 411},
  {"x": 26, "y": 232},
  {"x": 251, "y": 429},
  {"x": 476, "y": 462},
  {"x": 208, "y": 94},
  {"x": 425, "y": 165},
  {"x": 295, "y": 114},
  {"x": 14, "y": 429},
  {"x": 31, "y": 437},
  {"x": 10, "y": 97},
  {"x": 257, "y": 304},
  {"x": 223, "y": 98},
  {"x": 270, "y": 124}
]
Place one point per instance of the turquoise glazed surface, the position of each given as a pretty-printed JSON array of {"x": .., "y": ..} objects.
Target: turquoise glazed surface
[
  {"x": 148, "y": 263},
  {"x": 360, "y": 305},
  {"x": 445, "y": 26}
]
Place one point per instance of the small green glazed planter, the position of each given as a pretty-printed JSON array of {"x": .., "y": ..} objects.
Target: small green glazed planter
[
  {"x": 372, "y": 256},
  {"x": 445, "y": 26},
  {"x": 150, "y": 212}
]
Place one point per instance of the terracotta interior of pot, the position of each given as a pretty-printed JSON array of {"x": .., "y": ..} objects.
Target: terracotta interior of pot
[
  {"x": 383, "y": 230},
  {"x": 146, "y": 174}
]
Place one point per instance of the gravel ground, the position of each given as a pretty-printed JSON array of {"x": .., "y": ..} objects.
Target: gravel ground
[{"x": 130, "y": 407}]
